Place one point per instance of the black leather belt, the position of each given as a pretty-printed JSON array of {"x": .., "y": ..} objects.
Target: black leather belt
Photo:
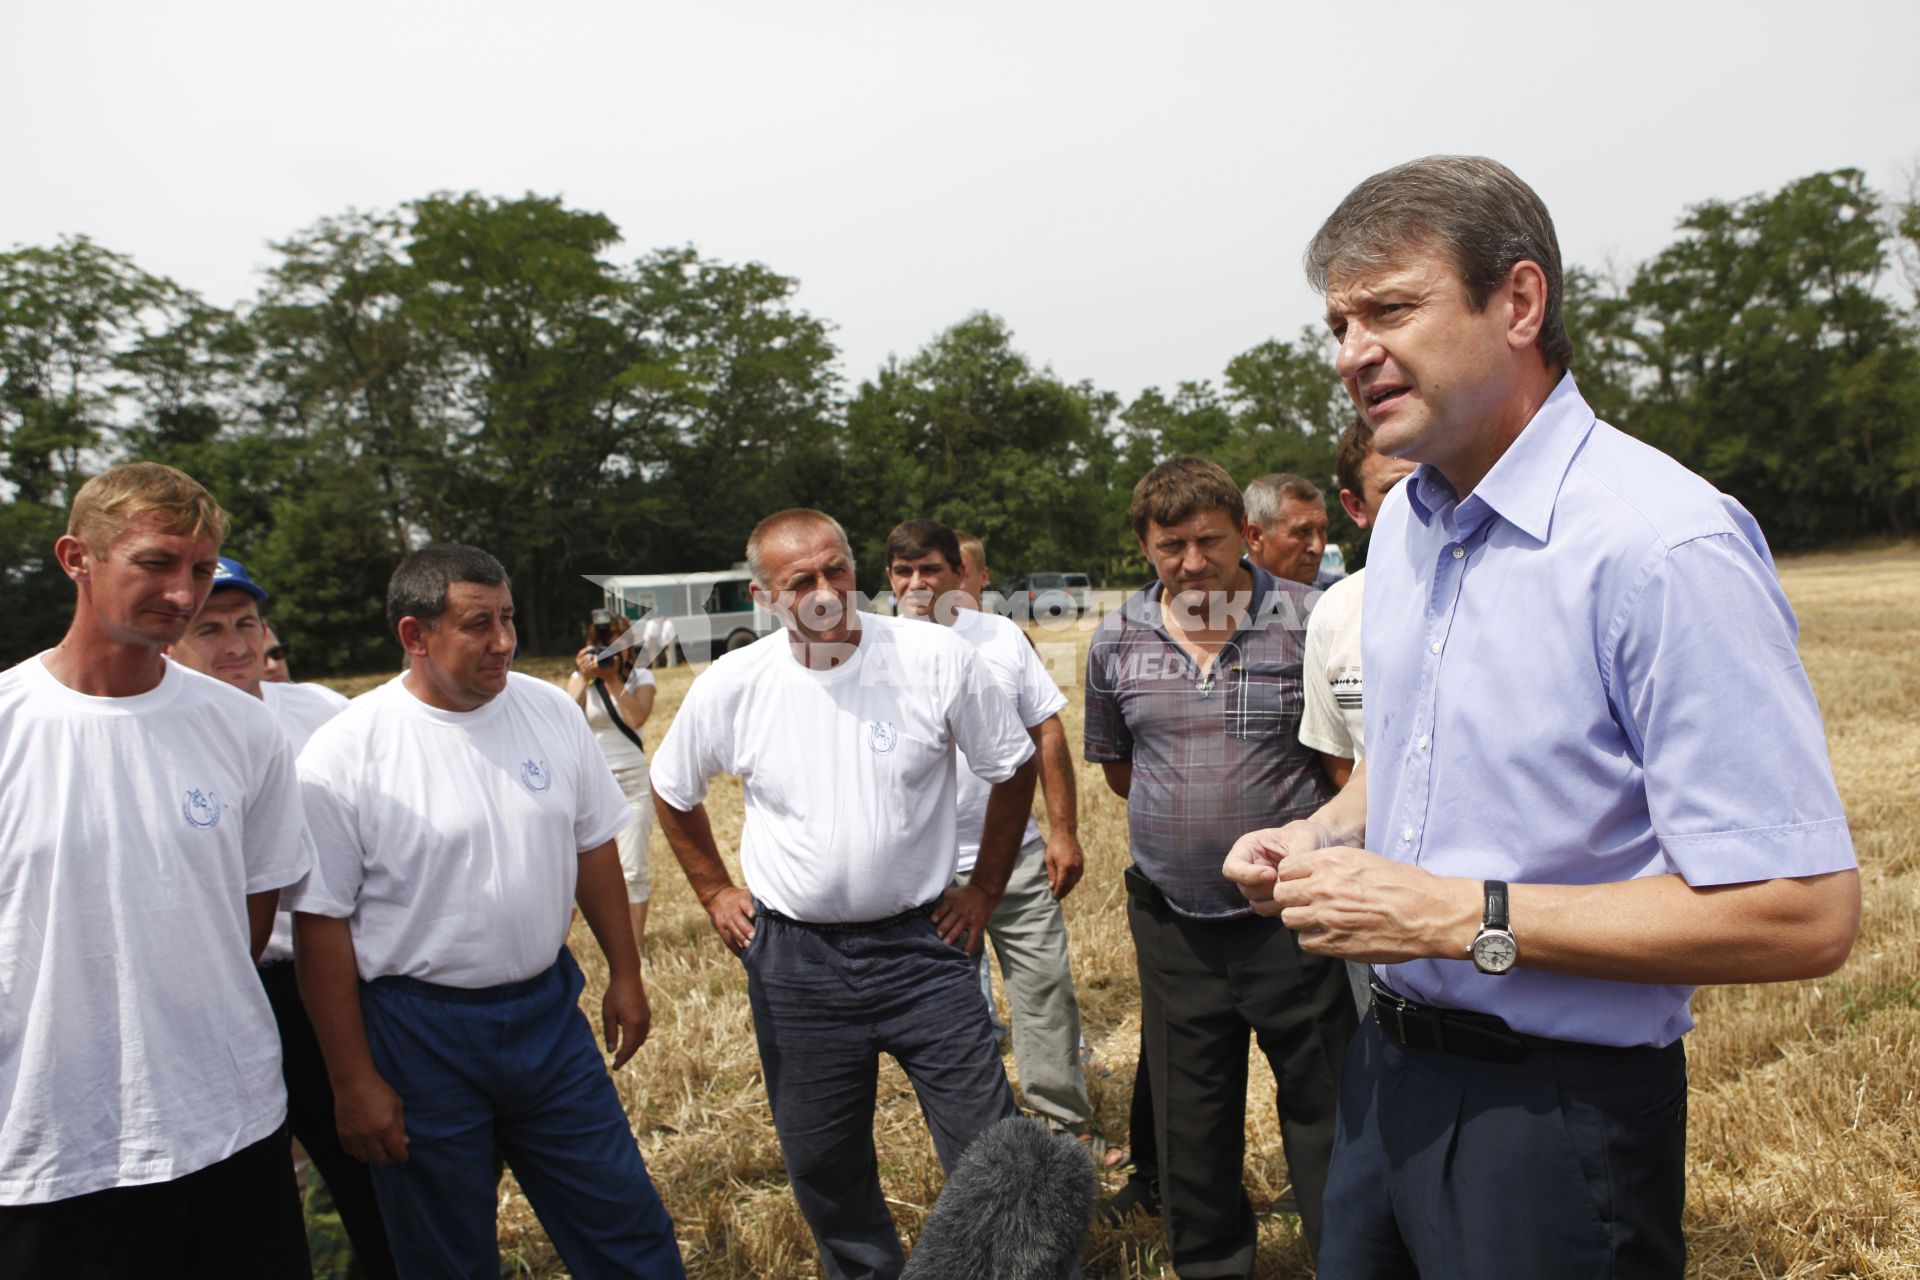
[{"x": 1480, "y": 1036}]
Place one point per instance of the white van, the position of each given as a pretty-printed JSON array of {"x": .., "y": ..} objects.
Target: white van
[{"x": 712, "y": 613}]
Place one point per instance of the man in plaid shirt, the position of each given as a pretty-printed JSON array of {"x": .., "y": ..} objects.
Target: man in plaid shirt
[{"x": 1193, "y": 709}]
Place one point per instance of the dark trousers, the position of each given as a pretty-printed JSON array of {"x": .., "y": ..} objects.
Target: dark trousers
[
  {"x": 310, "y": 1117},
  {"x": 1140, "y": 1141},
  {"x": 237, "y": 1217},
  {"x": 827, "y": 1002},
  {"x": 516, "y": 1066},
  {"x": 1570, "y": 1163},
  {"x": 1204, "y": 987}
]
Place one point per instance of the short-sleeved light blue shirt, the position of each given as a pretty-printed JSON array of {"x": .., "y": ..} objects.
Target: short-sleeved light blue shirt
[{"x": 1584, "y": 673}]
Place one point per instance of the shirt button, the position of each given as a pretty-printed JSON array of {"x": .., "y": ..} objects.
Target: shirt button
[
  {"x": 1434, "y": 647},
  {"x": 1423, "y": 743},
  {"x": 1458, "y": 552},
  {"x": 1406, "y": 837}
]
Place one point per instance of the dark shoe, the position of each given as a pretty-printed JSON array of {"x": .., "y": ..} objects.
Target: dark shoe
[{"x": 1139, "y": 1196}]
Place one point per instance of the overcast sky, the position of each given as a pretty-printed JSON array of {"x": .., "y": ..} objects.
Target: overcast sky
[{"x": 1129, "y": 186}]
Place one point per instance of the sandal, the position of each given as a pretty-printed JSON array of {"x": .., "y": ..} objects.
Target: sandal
[{"x": 1104, "y": 1155}]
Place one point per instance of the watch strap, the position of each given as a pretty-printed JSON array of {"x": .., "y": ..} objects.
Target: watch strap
[{"x": 1496, "y": 911}]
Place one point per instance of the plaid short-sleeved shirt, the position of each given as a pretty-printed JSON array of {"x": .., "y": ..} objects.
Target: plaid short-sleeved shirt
[{"x": 1214, "y": 755}]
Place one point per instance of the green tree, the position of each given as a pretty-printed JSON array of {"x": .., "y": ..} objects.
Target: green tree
[
  {"x": 1773, "y": 362},
  {"x": 967, "y": 431},
  {"x": 1282, "y": 408},
  {"x": 1606, "y": 359},
  {"x": 81, "y": 328},
  {"x": 524, "y": 310},
  {"x": 736, "y": 395}
]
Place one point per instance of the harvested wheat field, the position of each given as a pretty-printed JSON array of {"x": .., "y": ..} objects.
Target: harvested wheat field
[{"x": 1804, "y": 1146}]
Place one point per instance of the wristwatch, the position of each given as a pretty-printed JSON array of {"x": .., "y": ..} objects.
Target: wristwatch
[{"x": 1493, "y": 949}]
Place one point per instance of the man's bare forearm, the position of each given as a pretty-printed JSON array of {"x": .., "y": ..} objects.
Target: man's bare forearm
[
  {"x": 1009, "y": 805},
  {"x": 690, "y": 835},
  {"x": 601, "y": 892},
  {"x": 329, "y": 979},
  {"x": 260, "y": 911},
  {"x": 1344, "y": 818},
  {"x": 1661, "y": 929},
  {"x": 1057, "y": 785}
]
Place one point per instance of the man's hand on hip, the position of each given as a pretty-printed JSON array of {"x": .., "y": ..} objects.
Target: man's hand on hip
[
  {"x": 731, "y": 911},
  {"x": 964, "y": 911},
  {"x": 625, "y": 1017},
  {"x": 369, "y": 1118},
  {"x": 1065, "y": 863}
]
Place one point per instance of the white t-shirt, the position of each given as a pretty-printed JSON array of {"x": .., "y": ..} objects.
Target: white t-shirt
[
  {"x": 300, "y": 709},
  {"x": 1010, "y": 659},
  {"x": 451, "y": 839},
  {"x": 851, "y": 805},
  {"x": 333, "y": 696},
  {"x": 1330, "y": 720},
  {"x": 136, "y": 1043},
  {"x": 614, "y": 745}
]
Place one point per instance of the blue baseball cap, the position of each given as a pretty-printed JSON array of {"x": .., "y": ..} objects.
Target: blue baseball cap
[{"x": 231, "y": 573}]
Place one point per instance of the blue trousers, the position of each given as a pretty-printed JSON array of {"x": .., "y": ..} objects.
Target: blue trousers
[
  {"x": 1570, "y": 1163},
  {"x": 827, "y": 1002},
  {"x": 515, "y": 1066}
]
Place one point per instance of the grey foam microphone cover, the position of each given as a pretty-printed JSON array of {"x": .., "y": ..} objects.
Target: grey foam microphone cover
[{"x": 1016, "y": 1207}]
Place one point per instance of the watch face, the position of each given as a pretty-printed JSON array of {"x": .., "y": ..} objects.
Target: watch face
[{"x": 1494, "y": 952}]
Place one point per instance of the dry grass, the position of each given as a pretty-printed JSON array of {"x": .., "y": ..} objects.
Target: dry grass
[{"x": 1804, "y": 1159}]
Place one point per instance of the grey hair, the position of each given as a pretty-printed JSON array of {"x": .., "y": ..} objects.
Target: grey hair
[
  {"x": 780, "y": 522},
  {"x": 1471, "y": 208},
  {"x": 1264, "y": 496}
]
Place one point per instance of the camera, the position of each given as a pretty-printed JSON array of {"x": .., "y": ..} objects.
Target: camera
[{"x": 603, "y": 634}]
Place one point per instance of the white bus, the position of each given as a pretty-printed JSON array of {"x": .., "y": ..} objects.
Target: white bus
[{"x": 712, "y": 613}]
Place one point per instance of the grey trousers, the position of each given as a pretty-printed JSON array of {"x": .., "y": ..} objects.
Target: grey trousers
[
  {"x": 827, "y": 1002},
  {"x": 1029, "y": 936}
]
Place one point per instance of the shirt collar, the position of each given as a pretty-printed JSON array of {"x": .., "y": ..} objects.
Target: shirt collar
[
  {"x": 1144, "y": 606},
  {"x": 1525, "y": 483}
]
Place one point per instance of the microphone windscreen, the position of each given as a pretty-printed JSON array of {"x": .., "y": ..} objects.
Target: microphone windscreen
[{"x": 1016, "y": 1207}]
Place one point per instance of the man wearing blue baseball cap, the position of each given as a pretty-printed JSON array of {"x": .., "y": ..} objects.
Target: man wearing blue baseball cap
[{"x": 227, "y": 640}]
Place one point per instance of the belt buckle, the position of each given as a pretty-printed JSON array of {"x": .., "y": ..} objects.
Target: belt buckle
[{"x": 1399, "y": 1008}]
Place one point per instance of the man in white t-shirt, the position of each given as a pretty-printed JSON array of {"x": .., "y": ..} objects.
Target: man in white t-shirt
[
  {"x": 1330, "y": 715},
  {"x": 459, "y": 810},
  {"x": 925, "y": 568},
  {"x": 275, "y": 668},
  {"x": 150, "y": 818},
  {"x": 226, "y": 640},
  {"x": 1331, "y": 721},
  {"x": 843, "y": 727}
]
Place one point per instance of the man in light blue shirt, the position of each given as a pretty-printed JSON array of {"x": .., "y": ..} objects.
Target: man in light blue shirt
[{"x": 1596, "y": 774}]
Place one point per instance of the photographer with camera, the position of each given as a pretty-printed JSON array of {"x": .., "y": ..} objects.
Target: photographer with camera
[{"x": 616, "y": 692}]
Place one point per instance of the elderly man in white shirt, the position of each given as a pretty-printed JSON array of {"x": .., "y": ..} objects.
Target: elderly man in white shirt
[
  {"x": 843, "y": 727},
  {"x": 925, "y": 566}
]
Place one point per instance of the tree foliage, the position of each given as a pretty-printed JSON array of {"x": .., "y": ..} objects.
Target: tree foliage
[{"x": 492, "y": 370}]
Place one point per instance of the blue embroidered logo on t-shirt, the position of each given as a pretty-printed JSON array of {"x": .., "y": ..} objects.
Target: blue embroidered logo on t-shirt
[
  {"x": 534, "y": 773},
  {"x": 882, "y": 736},
  {"x": 201, "y": 809}
]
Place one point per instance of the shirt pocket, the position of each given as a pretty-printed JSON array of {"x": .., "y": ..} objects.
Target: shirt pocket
[{"x": 1263, "y": 701}]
